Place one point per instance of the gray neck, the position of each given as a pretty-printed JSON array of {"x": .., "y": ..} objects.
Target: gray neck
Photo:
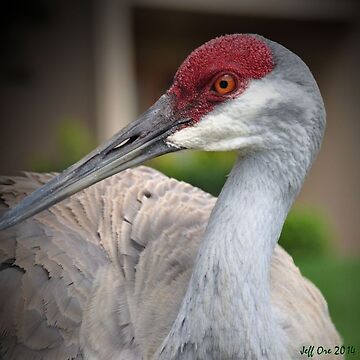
[{"x": 226, "y": 312}]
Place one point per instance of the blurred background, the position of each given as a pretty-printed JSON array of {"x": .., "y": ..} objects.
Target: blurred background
[{"x": 72, "y": 73}]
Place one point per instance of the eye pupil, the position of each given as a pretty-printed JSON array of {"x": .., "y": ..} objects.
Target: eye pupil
[{"x": 223, "y": 84}]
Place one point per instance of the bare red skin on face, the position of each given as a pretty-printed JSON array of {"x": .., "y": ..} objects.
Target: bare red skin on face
[{"x": 244, "y": 56}]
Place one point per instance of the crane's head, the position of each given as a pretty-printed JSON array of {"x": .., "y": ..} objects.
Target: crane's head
[{"x": 236, "y": 92}]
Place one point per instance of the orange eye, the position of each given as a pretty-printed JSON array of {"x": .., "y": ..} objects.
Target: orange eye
[{"x": 224, "y": 84}]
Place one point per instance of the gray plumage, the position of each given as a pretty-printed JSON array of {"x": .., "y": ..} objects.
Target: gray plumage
[
  {"x": 108, "y": 268},
  {"x": 141, "y": 266}
]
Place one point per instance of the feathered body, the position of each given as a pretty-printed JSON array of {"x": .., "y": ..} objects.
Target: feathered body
[
  {"x": 102, "y": 275},
  {"x": 144, "y": 267}
]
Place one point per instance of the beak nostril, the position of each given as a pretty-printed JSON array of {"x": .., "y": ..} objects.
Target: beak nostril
[{"x": 125, "y": 142}]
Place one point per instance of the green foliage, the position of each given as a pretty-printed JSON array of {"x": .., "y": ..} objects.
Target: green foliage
[
  {"x": 338, "y": 280},
  {"x": 306, "y": 234},
  {"x": 73, "y": 141},
  {"x": 206, "y": 170}
]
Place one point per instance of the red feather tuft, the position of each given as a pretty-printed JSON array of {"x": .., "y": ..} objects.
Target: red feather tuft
[{"x": 245, "y": 55}]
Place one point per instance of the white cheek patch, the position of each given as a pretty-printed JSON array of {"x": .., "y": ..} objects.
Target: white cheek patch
[{"x": 232, "y": 124}]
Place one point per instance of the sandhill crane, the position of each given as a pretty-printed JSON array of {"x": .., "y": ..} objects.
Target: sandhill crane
[{"x": 141, "y": 266}]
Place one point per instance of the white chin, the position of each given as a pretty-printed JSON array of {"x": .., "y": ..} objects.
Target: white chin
[{"x": 230, "y": 144}]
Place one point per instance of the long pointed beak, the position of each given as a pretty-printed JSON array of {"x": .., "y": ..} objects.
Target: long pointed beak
[{"x": 141, "y": 140}]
